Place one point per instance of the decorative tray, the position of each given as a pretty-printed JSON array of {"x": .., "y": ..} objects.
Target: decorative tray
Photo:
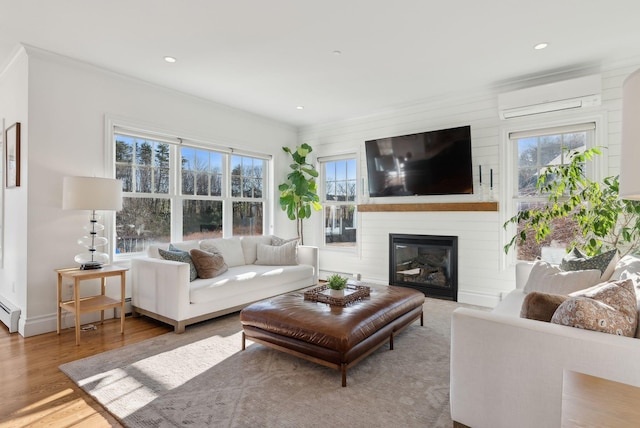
[{"x": 352, "y": 293}]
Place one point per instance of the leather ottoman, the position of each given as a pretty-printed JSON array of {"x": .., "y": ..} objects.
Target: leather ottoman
[{"x": 334, "y": 336}]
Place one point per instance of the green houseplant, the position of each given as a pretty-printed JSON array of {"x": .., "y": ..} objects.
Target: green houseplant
[
  {"x": 603, "y": 220},
  {"x": 299, "y": 194},
  {"x": 336, "y": 284}
]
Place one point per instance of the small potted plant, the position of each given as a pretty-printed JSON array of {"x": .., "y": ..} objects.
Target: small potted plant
[{"x": 336, "y": 285}]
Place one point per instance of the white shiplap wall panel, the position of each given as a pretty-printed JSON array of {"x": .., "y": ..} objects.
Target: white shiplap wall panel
[{"x": 483, "y": 271}]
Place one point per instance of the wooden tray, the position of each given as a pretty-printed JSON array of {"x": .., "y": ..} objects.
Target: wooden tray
[{"x": 352, "y": 293}]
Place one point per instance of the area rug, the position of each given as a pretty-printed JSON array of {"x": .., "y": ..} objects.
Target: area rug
[{"x": 202, "y": 378}]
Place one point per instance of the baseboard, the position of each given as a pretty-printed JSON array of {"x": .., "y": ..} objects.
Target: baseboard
[
  {"x": 478, "y": 299},
  {"x": 48, "y": 323}
]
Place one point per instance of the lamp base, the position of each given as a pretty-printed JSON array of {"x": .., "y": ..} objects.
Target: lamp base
[{"x": 91, "y": 265}]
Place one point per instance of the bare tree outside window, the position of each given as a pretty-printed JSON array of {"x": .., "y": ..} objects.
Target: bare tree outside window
[
  {"x": 199, "y": 196},
  {"x": 247, "y": 189}
]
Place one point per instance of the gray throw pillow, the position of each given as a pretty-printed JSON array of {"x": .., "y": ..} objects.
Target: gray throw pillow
[
  {"x": 576, "y": 260},
  {"x": 177, "y": 255}
]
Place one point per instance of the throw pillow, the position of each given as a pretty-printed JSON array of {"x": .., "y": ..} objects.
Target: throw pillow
[
  {"x": 628, "y": 267},
  {"x": 230, "y": 248},
  {"x": 274, "y": 255},
  {"x": 281, "y": 241},
  {"x": 546, "y": 278},
  {"x": 250, "y": 247},
  {"x": 180, "y": 256},
  {"x": 208, "y": 264},
  {"x": 541, "y": 306},
  {"x": 605, "y": 262},
  {"x": 609, "y": 307}
]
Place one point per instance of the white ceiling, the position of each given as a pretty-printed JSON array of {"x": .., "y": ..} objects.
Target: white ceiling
[{"x": 269, "y": 56}]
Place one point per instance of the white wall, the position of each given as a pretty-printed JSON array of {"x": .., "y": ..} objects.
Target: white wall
[
  {"x": 484, "y": 272},
  {"x": 67, "y": 104},
  {"x": 14, "y": 108}
]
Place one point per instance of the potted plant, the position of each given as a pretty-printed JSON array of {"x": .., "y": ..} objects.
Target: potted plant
[
  {"x": 336, "y": 285},
  {"x": 299, "y": 194},
  {"x": 604, "y": 221}
]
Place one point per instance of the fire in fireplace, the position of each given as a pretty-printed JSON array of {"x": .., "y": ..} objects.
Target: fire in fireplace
[{"x": 428, "y": 263}]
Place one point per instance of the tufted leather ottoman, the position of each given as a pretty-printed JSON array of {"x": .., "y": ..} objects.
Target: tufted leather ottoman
[{"x": 334, "y": 336}]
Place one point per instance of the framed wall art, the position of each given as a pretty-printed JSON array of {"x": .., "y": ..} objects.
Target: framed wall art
[{"x": 12, "y": 155}]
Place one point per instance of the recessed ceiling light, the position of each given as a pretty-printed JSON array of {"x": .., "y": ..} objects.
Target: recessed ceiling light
[
  {"x": 540, "y": 46},
  {"x": 336, "y": 52},
  {"x": 170, "y": 59},
  {"x": 300, "y": 107}
]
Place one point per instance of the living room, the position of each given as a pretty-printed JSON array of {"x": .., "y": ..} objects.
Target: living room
[{"x": 65, "y": 107}]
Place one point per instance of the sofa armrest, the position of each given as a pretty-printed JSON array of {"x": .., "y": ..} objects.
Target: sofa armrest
[
  {"x": 160, "y": 286},
  {"x": 507, "y": 371},
  {"x": 309, "y": 255}
]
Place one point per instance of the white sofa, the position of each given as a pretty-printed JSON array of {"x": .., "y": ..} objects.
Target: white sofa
[
  {"x": 162, "y": 289},
  {"x": 507, "y": 371}
]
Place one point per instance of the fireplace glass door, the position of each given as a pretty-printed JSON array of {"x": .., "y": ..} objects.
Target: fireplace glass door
[{"x": 425, "y": 262}]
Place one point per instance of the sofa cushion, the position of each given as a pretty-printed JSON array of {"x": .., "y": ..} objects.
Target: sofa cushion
[
  {"x": 628, "y": 267},
  {"x": 252, "y": 281},
  {"x": 208, "y": 264},
  {"x": 281, "y": 241},
  {"x": 250, "y": 247},
  {"x": 541, "y": 306},
  {"x": 609, "y": 307},
  {"x": 604, "y": 262},
  {"x": 230, "y": 248},
  {"x": 546, "y": 278},
  {"x": 177, "y": 255},
  {"x": 278, "y": 255}
]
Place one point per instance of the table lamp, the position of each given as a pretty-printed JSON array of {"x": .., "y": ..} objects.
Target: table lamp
[
  {"x": 630, "y": 154},
  {"x": 92, "y": 193}
]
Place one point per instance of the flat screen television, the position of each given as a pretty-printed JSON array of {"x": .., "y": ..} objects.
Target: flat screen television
[{"x": 426, "y": 163}]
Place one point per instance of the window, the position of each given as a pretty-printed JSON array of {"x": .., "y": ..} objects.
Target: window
[
  {"x": 173, "y": 191},
  {"x": 533, "y": 151},
  {"x": 339, "y": 201}
]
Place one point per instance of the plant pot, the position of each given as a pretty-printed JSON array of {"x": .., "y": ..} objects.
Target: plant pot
[{"x": 336, "y": 293}]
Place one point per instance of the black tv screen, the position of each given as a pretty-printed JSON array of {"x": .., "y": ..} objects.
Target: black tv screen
[{"x": 426, "y": 163}]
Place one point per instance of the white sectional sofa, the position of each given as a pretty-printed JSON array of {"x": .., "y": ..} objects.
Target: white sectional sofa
[
  {"x": 162, "y": 289},
  {"x": 507, "y": 371}
]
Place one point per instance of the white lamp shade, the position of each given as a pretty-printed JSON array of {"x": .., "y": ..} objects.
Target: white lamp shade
[
  {"x": 630, "y": 163},
  {"x": 91, "y": 193}
]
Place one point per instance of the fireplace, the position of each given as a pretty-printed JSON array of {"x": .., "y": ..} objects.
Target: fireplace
[{"x": 428, "y": 263}]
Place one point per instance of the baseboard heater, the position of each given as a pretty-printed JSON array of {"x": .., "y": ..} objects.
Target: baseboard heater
[
  {"x": 127, "y": 308},
  {"x": 9, "y": 315}
]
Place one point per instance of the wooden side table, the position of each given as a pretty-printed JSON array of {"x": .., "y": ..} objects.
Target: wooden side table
[
  {"x": 589, "y": 401},
  {"x": 79, "y": 306}
]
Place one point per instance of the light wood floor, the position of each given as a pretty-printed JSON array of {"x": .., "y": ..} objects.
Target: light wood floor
[{"x": 34, "y": 392}]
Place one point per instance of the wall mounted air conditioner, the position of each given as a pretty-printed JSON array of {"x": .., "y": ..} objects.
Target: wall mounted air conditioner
[
  {"x": 9, "y": 315},
  {"x": 565, "y": 95}
]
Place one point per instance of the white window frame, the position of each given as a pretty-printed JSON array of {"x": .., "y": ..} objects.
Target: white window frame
[
  {"x": 116, "y": 125},
  {"x": 325, "y": 203},
  {"x": 596, "y": 169}
]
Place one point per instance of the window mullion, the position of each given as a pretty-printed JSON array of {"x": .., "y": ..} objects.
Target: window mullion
[{"x": 175, "y": 193}]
